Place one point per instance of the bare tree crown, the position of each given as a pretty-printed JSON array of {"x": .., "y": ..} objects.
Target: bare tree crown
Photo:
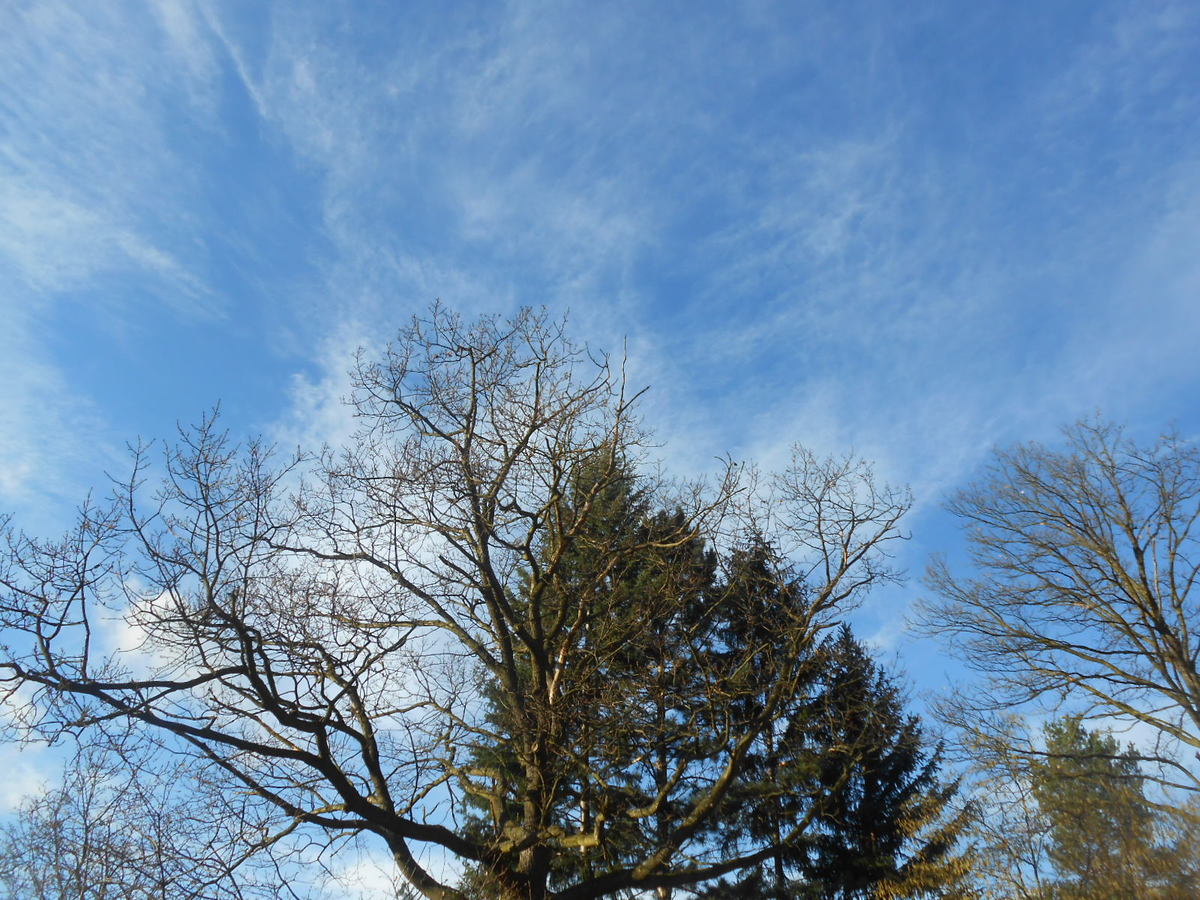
[
  {"x": 1084, "y": 593},
  {"x": 367, "y": 638}
]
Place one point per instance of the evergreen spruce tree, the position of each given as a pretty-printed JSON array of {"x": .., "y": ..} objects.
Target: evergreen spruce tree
[
  {"x": 840, "y": 765},
  {"x": 888, "y": 829},
  {"x": 758, "y": 594},
  {"x": 849, "y": 759},
  {"x": 652, "y": 593}
]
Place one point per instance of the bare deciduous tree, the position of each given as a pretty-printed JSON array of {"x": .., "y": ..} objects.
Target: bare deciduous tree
[
  {"x": 1084, "y": 594},
  {"x": 326, "y": 640},
  {"x": 123, "y": 823}
]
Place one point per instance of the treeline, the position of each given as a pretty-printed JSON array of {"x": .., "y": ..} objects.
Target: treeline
[{"x": 490, "y": 638}]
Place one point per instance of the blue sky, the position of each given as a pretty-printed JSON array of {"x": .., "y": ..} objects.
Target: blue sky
[{"x": 912, "y": 230}]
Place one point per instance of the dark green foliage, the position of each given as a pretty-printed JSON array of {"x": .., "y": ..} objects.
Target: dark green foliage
[
  {"x": 839, "y": 776},
  {"x": 1092, "y": 795},
  {"x": 643, "y": 579},
  {"x": 887, "y": 827},
  {"x": 851, "y": 760}
]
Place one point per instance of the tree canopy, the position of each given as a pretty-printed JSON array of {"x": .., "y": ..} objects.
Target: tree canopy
[
  {"x": 885, "y": 825},
  {"x": 1081, "y": 594},
  {"x": 484, "y": 595}
]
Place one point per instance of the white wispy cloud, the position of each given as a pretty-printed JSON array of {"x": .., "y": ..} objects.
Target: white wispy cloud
[
  {"x": 92, "y": 217},
  {"x": 843, "y": 276},
  {"x": 857, "y": 227},
  {"x": 89, "y": 158}
]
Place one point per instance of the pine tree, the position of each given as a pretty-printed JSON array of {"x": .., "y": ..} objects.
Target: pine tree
[
  {"x": 1106, "y": 839},
  {"x": 883, "y": 823},
  {"x": 758, "y": 595}
]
